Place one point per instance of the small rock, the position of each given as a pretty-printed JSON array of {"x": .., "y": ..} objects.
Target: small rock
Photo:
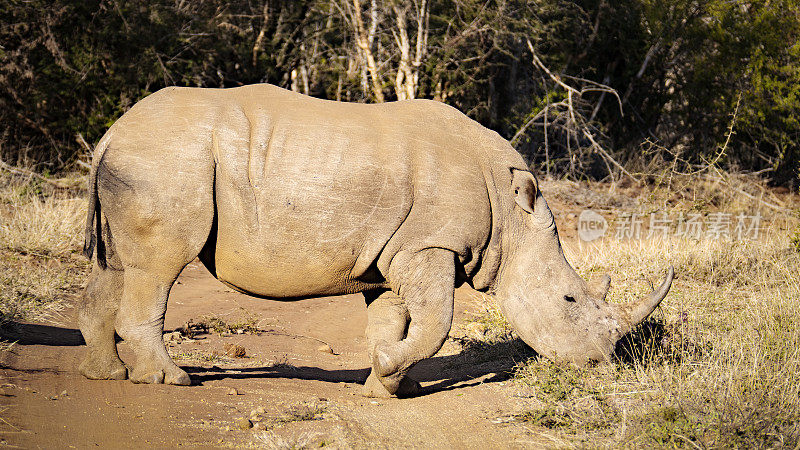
[
  {"x": 260, "y": 427},
  {"x": 322, "y": 399},
  {"x": 233, "y": 391},
  {"x": 261, "y": 410},
  {"x": 503, "y": 419},
  {"x": 325, "y": 348},
  {"x": 175, "y": 336},
  {"x": 235, "y": 350},
  {"x": 244, "y": 424},
  {"x": 63, "y": 393}
]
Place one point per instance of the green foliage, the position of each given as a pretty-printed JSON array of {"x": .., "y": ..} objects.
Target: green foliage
[
  {"x": 671, "y": 427},
  {"x": 546, "y": 417}
]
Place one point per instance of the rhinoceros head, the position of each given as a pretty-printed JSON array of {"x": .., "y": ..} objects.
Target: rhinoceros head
[{"x": 547, "y": 303}]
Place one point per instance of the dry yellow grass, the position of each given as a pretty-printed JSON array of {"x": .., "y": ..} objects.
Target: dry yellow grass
[
  {"x": 41, "y": 232},
  {"x": 719, "y": 364},
  {"x": 46, "y": 225}
]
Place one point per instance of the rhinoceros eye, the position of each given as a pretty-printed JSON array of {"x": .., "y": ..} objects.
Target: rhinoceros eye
[{"x": 569, "y": 298}]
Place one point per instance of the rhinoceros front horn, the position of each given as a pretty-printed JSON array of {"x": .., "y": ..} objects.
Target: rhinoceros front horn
[{"x": 637, "y": 312}]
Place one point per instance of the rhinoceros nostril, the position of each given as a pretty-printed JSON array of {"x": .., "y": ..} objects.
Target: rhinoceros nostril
[{"x": 569, "y": 298}]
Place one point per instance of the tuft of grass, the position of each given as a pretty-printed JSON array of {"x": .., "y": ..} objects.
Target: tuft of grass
[
  {"x": 246, "y": 323},
  {"x": 31, "y": 290},
  {"x": 47, "y": 226},
  {"x": 273, "y": 441},
  {"x": 795, "y": 239},
  {"x": 488, "y": 325},
  {"x": 197, "y": 356},
  {"x": 549, "y": 417},
  {"x": 303, "y": 412}
]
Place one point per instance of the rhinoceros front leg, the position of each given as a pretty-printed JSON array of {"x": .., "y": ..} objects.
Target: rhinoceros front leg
[
  {"x": 387, "y": 321},
  {"x": 425, "y": 281}
]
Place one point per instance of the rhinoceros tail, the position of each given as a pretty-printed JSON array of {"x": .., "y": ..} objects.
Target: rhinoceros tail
[{"x": 92, "y": 233}]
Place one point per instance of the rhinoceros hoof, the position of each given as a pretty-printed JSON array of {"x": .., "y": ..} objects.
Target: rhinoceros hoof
[
  {"x": 175, "y": 377},
  {"x": 383, "y": 363},
  {"x": 375, "y": 389},
  {"x": 156, "y": 377},
  {"x": 179, "y": 378},
  {"x": 103, "y": 370}
]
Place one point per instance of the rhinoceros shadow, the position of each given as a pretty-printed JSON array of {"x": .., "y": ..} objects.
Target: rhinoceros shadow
[
  {"x": 36, "y": 334},
  {"x": 651, "y": 340},
  {"x": 477, "y": 363},
  {"x": 474, "y": 365}
]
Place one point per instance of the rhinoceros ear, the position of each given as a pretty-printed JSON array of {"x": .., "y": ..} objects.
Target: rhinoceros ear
[{"x": 525, "y": 189}]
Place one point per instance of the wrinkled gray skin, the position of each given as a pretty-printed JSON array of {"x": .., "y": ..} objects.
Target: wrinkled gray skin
[{"x": 283, "y": 196}]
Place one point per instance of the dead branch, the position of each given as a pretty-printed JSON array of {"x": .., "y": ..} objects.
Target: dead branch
[
  {"x": 569, "y": 118},
  {"x": 259, "y": 43}
]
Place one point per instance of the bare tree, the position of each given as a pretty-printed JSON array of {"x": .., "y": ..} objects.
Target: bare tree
[
  {"x": 364, "y": 40},
  {"x": 407, "y": 78}
]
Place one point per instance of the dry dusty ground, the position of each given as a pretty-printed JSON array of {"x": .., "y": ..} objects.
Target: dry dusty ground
[{"x": 309, "y": 397}]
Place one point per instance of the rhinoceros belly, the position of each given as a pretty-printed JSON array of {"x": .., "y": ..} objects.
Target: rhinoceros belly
[{"x": 302, "y": 231}]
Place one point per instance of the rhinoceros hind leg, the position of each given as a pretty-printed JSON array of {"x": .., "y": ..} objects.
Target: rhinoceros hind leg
[
  {"x": 387, "y": 321},
  {"x": 159, "y": 207},
  {"x": 426, "y": 282},
  {"x": 141, "y": 322},
  {"x": 96, "y": 322}
]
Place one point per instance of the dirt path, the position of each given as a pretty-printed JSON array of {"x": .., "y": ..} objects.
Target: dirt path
[{"x": 299, "y": 394}]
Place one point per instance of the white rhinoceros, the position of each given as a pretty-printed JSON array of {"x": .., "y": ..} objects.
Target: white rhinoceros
[{"x": 284, "y": 196}]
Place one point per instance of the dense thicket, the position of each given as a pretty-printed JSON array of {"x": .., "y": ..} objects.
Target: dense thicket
[{"x": 686, "y": 72}]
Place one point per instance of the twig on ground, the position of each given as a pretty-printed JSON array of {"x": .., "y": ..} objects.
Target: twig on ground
[
  {"x": 30, "y": 173},
  {"x": 721, "y": 177},
  {"x": 292, "y": 335}
]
